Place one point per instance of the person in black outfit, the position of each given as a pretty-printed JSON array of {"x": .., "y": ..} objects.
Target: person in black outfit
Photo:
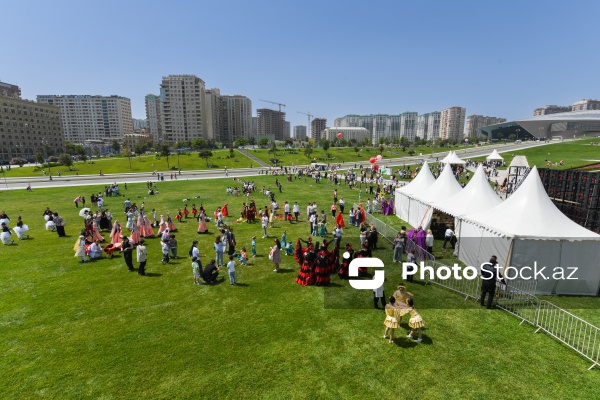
[
  {"x": 210, "y": 273},
  {"x": 373, "y": 237},
  {"x": 127, "y": 250},
  {"x": 489, "y": 274},
  {"x": 60, "y": 225}
]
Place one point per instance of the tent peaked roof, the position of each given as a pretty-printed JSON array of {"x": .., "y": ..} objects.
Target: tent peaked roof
[
  {"x": 454, "y": 159},
  {"x": 478, "y": 195},
  {"x": 445, "y": 159},
  {"x": 422, "y": 181},
  {"x": 444, "y": 186},
  {"x": 529, "y": 213},
  {"x": 519, "y": 161},
  {"x": 495, "y": 156}
]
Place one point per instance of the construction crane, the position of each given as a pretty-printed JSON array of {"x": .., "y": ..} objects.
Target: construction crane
[
  {"x": 308, "y": 127},
  {"x": 274, "y": 102}
]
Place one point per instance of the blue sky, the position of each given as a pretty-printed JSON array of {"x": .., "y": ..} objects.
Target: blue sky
[{"x": 498, "y": 58}]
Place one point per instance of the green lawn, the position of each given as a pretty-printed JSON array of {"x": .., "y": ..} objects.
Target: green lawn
[
  {"x": 344, "y": 154},
  {"x": 145, "y": 163},
  {"x": 72, "y": 330},
  {"x": 575, "y": 154}
]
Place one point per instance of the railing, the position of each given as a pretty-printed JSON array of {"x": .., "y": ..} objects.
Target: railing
[
  {"x": 517, "y": 297},
  {"x": 576, "y": 333}
]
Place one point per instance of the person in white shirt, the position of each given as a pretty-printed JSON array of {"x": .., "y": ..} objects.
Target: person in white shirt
[
  {"x": 447, "y": 237},
  {"x": 296, "y": 210},
  {"x": 313, "y": 224},
  {"x": 265, "y": 223},
  {"x": 379, "y": 294},
  {"x": 286, "y": 211},
  {"x": 231, "y": 270},
  {"x": 429, "y": 241}
]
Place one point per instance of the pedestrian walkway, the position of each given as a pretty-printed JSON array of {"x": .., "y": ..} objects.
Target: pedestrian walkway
[{"x": 253, "y": 158}]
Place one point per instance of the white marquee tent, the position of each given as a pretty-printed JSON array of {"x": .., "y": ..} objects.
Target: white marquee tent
[
  {"x": 478, "y": 195},
  {"x": 494, "y": 156},
  {"x": 527, "y": 230},
  {"x": 422, "y": 181},
  {"x": 421, "y": 209},
  {"x": 455, "y": 160}
]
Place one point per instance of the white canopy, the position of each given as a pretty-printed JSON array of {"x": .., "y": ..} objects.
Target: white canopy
[
  {"x": 422, "y": 181},
  {"x": 495, "y": 156},
  {"x": 454, "y": 159},
  {"x": 478, "y": 195},
  {"x": 528, "y": 231},
  {"x": 445, "y": 159},
  {"x": 529, "y": 213}
]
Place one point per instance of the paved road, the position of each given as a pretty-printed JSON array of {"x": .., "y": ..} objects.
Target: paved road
[{"x": 88, "y": 180}]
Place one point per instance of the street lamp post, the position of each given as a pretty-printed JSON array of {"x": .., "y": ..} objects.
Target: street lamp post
[{"x": 45, "y": 143}]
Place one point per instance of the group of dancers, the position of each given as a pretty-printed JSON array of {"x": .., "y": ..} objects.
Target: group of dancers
[
  {"x": 400, "y": 304},
  {"x": 20, "y": 229}
]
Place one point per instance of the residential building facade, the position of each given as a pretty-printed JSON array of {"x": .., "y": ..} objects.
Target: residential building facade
[
  {"x": 317, "y": 126},
  {"x": 355, "y": 133},
  {"x": 586, "y": 105},
  {"x": 474, "y": 122},
  {"x": 270, "y": 123},
  {"x": 551, "y": 110},
  {"x": 9, "y": 90},
  {"x": 300, "y": 132},
  {"x": 27, "y": 127},
  {"x": 183, "y": 108},
  {"x": 153, "y": 117},
  {"x": 452, "y": 123},
  {"x": 92, "y": 118},
  {"x": 236, "y": 118}
]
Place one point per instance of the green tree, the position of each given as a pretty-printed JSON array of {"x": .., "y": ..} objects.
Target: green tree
[
  {"x": 308, "y": 150},
  {"x": 139, "y": 148},
  {"x": 65, "y": 159},
  {"x": 352, "y": 142},
  {"x": 198, "y": 144},
  {"x": 501, "y": 136},
  {"x": 240, "y": 142},
  {"x": 206, "y": 154},
  {"x": 165, "y": 151},
  {"x": 127, "y": 153},
  {"x": 411, "y": 152},
  {"x": 356, "y": 149},
  {"x": 39, "y": 157},
  {"x": 116, "y": 147},
  {"x": 381, "y": 149},
  {"x": 263, "y": 142},
  {"x": 231, "y": 152},
  {"x": 325, "y": 144},
  {"x": 512, "y": 137},
  {"x": 95, "y": 151},
  {"x": 289, "y": 142},
  {"x": 252, "y": 141},
  {"x": 383, "y": 141}
]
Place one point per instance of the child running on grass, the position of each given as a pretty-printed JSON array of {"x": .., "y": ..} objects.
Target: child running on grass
[
  {"x": 253, "y": 246},
  {"x": 415, "y": 321}
]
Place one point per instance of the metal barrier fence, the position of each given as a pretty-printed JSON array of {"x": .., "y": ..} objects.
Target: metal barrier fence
[
  {"x": 467, "y": 287},
  {"x": 576, "y": 333},
  {"x": 517, "y": 297}
]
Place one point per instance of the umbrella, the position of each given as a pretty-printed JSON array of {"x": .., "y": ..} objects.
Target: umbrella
[{"x": 83, "y": 210}]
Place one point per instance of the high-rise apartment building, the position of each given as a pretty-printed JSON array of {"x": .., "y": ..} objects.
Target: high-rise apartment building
[
  {"x": 153, "y": 117},
  {"x": 433, "y": 125},
  {"x": 551, "y": 110},
  {"x": 356, "y": 134},
  {"x": 213, "y": 114},
  {"x": 478, "y": 121},
  {"x": 317, "y": 126},
  {"x": 139, "y": 124},
  {"x": 452, "y": 123},
  {"x": 300, "y": 132},
  {"x": 92, "y": 118},
  {"x": 287, "y": 131},
  {"x": 271, "y": 123},
  {"x": 408, "y": 125},
  {"x": 183, "y": 108},
  {"x": 236, "y": 118},
  {"x": 27, "y": 127},
  {"x": 8, "y": 90},
  {"x": 584, "y": 105}
]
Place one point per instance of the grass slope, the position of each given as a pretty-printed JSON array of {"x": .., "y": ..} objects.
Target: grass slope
[{"x": 72, "y": 330}]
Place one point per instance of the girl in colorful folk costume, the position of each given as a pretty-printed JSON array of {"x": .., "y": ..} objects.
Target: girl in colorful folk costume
[
  {"x": 415, "y": 321},
  {"x": 21, "y": 229},
  {"x": 393, "y": 316}
]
